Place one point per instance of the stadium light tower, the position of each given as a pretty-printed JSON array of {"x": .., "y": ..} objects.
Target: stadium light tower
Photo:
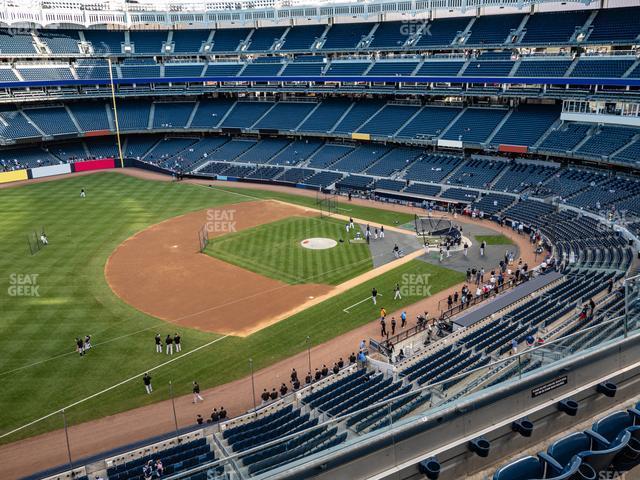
[{"x": 115, "y": 112}]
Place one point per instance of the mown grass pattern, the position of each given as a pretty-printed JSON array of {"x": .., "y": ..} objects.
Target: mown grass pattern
[
  {"x": 274, "y": 250},
  {"x": 39, "y": 370}
]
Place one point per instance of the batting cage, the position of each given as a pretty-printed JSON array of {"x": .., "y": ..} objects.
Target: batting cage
[
  {"x": 436, "y": 230},
  {"x": 37, "y": 240},
  {"x": 326, "y": 203},
  {"x": 203, "y": 238}
]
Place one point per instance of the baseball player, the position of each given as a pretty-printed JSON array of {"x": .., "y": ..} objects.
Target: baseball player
[
  {"x": 196, "y": 393},
  {"x": 146, "y": 379}
]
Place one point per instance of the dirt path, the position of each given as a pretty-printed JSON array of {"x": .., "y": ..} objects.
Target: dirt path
[
  {"x": 160, "y": 272},
  {"x": 90, "y": 438}
]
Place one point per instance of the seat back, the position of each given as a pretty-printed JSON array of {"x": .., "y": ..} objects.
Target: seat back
[
  {"x": 612, "y": 425},
  {"x": 566, "y": 448},
  {"x": 523, "y": 468}
]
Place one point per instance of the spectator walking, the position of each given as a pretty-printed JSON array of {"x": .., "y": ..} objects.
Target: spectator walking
[
  {"x": 403, "y": 319},
  {"x": 383, "y": 327},
  {"x": 393, "y": 326}
]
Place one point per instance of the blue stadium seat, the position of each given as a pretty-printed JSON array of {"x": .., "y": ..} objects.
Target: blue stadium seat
[
  {"x": 346, "y": 36},
  {"x": 553, "y": 28},
  {"x": 189, "y": 41},
  {"x": 262, "y": 39}
]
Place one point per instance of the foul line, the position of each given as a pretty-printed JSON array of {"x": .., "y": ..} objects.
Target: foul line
[
  {"x": 112, "y": 387},
  {"x": 73, "y": 352},
  {"x": 346, "y": 310}
]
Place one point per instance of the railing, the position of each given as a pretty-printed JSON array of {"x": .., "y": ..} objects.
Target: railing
[
  {"x": 384, "y": 346},
  {"x": 143, "y": 13},
  {"x": 476, "y": 300},
  {"x": 553, "y": 351}
]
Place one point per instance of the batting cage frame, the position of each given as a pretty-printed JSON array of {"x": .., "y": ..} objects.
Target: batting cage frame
[
  {"x": 326, "y": 203},
  {"x": 434, "y": 230},
  {"x": 203, "y": 238},
  {"x": 34, "y": 240}
]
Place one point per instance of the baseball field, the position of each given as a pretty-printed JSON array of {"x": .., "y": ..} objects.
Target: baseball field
[{"x": 61, "y": 292}]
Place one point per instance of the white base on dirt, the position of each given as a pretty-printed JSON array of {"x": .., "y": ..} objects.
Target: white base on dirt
[{"x": 318, "y": 243}]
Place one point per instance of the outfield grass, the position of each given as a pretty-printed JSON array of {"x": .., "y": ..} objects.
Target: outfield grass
[
  {"x": 40, "y": 372},
  {"x": 374, "y": 215},
  {"x": 494, "y": 239},
  {"x": 274, "y": 250}
]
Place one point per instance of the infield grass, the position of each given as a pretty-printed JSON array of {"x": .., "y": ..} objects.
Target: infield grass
[
  {"x": 274, "y": 250},
  {"x": 39, "y": 370}
]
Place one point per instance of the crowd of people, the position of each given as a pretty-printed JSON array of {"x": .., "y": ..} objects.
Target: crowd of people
[{"x": 172, "y": 343}]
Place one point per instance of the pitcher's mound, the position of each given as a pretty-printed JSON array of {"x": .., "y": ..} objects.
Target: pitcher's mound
[{"x": 318, "y": 243}]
